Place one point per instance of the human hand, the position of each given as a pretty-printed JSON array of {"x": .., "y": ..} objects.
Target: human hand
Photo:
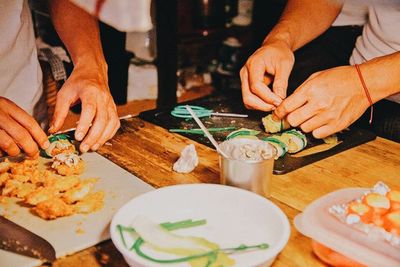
[
  {"x": 272, "y": 63},
  {"x": 327, "y": 102},
  {"x": 99, "y": 118},
  {"x": 19, "y": 131}
]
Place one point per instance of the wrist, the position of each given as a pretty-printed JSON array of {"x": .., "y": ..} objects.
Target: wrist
[
  {"x": 281, "y": 35},
  {"x": 382, "y": 76},
  {"x": 91, "y": 67}
]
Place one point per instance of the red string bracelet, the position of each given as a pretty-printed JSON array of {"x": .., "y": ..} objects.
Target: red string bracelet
[{"x": 366, "y": 91}]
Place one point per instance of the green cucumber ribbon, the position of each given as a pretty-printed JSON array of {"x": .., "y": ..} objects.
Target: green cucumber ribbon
[{"x": 211, "y": 255}]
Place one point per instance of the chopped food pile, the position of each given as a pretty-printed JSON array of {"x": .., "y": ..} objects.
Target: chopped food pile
[
  {"x": 158, "y": 240},
  {"x": 378, "y": 211},
  {"x": 247, "y": 150},
  {"x": 51, "y": 191}
]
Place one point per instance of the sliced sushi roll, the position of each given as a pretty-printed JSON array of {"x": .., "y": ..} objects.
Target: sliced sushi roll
[
  {"x": 273, "y": 126},
  {"x": 295, "y": 140},
  {"x": 59, "y": 143},
  {"x": 243, "y": 133},
  {"x": 280, "y": 147}
]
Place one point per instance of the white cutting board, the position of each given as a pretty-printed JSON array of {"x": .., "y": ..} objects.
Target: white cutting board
[{"x": 74, "y": 233}]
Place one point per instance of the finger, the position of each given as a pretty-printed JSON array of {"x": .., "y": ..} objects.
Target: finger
[
  {"x": 325, "y": 131},
  {"x": 250, "y": 100},
  {"x": 302, "y": 114},
  {"x": 291, "y": 103},
  {"x": 30, "y": 124},
  {"x": 61, "y": 110},
  {"x": 256, "y": 76},
  {"x": 99, "y": 124},
  {"x": 20, "y": 136},
  {"x": 8, "y": 145},
  {"x": 107, "y": 134},
  {"x": 280, "y": 84},
  {"x": 87, "y": 116},
  {"x": 316, "y": 122}
]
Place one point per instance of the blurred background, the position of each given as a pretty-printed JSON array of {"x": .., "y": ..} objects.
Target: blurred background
[{"x": 195, "y": 47}]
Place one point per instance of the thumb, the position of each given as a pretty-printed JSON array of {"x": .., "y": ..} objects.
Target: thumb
[{"x": 280, "y": 83}]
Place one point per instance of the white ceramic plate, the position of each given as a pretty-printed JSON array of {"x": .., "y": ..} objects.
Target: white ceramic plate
[{"x": 234, "y": 216}]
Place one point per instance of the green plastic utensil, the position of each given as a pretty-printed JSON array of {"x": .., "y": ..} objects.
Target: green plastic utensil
[{"x": 181, "y": 112}]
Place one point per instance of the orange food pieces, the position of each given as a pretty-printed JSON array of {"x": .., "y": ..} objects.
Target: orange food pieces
[
  {"x": 364, "y": 211},
  {"x": 380, "y": 210},
  {"x": 380, "y": 204},
  {"x": 391, "y": 222},
  {"x": 394, "y": 197}
]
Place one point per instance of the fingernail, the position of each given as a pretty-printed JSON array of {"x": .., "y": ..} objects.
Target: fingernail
[
  {"x": 84, "y": 148},
  {"x": 95, "y": 147},
  {"x": 277, "y": 103},
  {"x": 46, "y": 144},
  {"x": 79, "y": 136},
  {"x": 51, "y": 129}
]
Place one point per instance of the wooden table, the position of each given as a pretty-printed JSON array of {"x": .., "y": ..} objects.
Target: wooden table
[{"x": 149, "y": 151}]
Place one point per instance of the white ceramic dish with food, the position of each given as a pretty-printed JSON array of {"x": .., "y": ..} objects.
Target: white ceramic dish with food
[{"x": 234, "y": 217}]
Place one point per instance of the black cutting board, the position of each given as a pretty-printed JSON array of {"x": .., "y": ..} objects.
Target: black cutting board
[{"x": 232, "y": 102}]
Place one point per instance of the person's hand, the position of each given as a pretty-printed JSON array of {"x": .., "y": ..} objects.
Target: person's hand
[
  {"x": 327, "y": 102},
  {"x": 272, "y": 63},
  {"x": 99, "y": 118},
  {"x": 19, "y": 131}
]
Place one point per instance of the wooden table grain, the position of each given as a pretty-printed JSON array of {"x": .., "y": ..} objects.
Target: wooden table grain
[{"x": 149, "y": 151}]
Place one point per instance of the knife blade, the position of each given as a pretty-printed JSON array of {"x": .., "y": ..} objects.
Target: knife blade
[{"x": 17, "y": 239}]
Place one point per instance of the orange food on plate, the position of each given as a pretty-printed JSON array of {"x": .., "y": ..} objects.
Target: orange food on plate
[
  {"x": 391, "y": 222},
  {"x": 365, "y": 212},
  {"x": 332, "y": 257},
  {"x": 380, "y": 204},
  {"x": 394, "y": 197}
]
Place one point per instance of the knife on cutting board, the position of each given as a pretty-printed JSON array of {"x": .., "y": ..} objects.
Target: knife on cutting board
[{"x": 19, "y": 240}]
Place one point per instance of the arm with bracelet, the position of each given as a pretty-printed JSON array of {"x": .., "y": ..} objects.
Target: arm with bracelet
[{"x": 330, "y": 100}]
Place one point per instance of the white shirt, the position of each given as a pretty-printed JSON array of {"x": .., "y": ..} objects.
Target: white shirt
[
  {"x": 20, "y": 73},
  {"x": 381, "y": 32}
]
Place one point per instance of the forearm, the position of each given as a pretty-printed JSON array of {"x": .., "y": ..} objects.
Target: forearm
[
  {"x": 382, "y": 76},
  {"x": 303, "y": 21},
  {"x": 79, "y": 32}
]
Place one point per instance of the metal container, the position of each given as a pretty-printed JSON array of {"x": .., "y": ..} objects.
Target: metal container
[{"x": 252, "y": 175}]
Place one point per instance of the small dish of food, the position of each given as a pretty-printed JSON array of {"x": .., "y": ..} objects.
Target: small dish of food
[
  {"x": 200, "y": 225},
  {"x": 354, "y": 226}
]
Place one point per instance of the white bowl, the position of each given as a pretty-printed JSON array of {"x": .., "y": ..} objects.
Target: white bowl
[{"x": 234, "y": 217}]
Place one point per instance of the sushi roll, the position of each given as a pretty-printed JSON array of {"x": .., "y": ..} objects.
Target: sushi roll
[
  {"x": 273, "y": 126},
  {"x": 243, "y": 133},
  {"x": 295, "y": 140},
  {"x": 59, "y": 143},
  {"x": 280, "y": 147},
  {"x": 68, "y": 164}
]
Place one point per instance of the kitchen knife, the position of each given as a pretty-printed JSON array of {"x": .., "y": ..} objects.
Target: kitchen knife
[{"x": 21, "y": 241}]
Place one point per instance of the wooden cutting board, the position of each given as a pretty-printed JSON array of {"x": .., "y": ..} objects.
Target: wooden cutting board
[{"x": 71, "y": 234}]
